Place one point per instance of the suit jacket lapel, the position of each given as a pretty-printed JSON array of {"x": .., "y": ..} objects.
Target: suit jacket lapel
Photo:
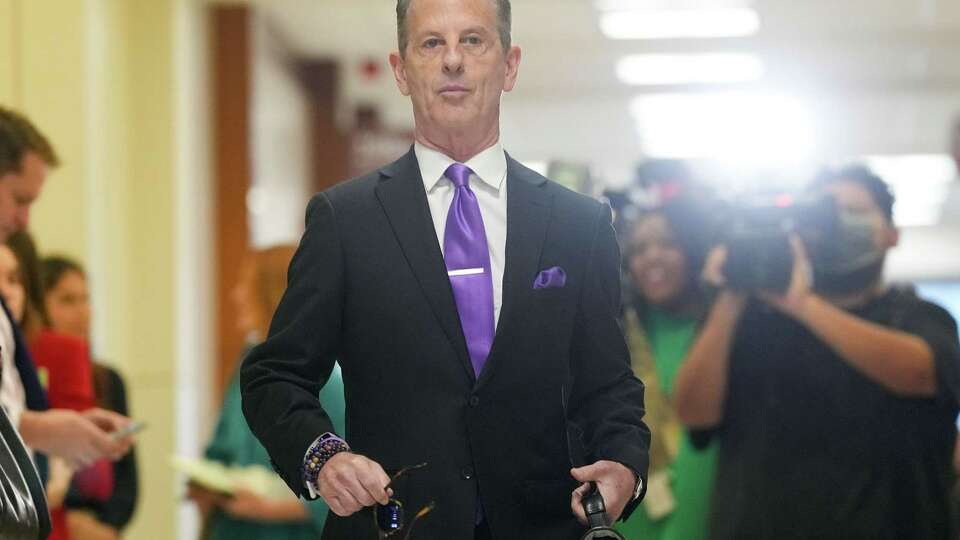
[
  {"x": 404, "y": 200},
  {"x": 528, "y": 214}
]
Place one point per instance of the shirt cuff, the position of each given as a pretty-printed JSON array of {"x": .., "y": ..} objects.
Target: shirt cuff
[{"x": 323, "y": 448}]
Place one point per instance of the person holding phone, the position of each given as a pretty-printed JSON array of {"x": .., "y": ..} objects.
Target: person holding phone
[{"x": 244, "y": 514}]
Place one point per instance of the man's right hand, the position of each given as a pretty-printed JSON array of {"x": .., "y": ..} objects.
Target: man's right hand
[
  {"x": 713, "y": 267},
  {"x": 78, "y": 438},
  {"x": 349, "y": 482}
]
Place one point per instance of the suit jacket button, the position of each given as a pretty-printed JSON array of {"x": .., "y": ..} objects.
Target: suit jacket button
[
  {"x": 466, "y": 473},
  {"x": 474, "y": 401}
]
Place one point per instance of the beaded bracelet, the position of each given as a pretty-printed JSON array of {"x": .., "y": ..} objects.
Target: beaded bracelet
[{"x": 322, "y": 449}]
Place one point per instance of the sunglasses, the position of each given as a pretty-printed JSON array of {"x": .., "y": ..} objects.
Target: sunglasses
[{"x": 391, "y": 518}]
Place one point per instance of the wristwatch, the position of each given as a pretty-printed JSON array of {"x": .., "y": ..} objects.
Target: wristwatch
[{"x": 638, "y": 490}]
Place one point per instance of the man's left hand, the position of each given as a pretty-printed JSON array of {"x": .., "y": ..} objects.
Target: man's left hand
[{"x": 615, "y": 481}]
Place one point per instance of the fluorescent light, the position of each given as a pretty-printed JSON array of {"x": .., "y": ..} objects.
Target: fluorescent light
[
  {"x": 650, "y": 5},
  {"x": 685, "y": 23},
  {"x": 731, "y": 127},
  {"x": 664, "y": 69},
  {"x": 921, "y": 183}
]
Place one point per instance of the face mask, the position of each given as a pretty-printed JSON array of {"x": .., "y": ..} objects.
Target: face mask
[{"x": 853, "y": 262}]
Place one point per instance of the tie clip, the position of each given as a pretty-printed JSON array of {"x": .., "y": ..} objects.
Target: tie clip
[{"x": 465, "y": 272}]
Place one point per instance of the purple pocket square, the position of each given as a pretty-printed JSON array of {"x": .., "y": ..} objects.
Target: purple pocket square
[{"x": 551, "y": 278}]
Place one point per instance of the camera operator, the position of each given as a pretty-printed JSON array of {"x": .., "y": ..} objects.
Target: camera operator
[{"x": 834, "y": 402}]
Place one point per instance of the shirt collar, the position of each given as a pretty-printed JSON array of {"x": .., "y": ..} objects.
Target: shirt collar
[{"x": 490, "y": 165}]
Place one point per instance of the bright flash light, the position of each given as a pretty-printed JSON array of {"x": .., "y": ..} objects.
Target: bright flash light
[
  {"x": 676, "y": 69},
  {"x": 680, "y": 24},
  {"x": 921, "y": 183},
  {"x": 731, "y": 127}
]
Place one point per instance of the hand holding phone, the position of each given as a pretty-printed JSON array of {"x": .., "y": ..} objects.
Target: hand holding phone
[{"x": 132, "y": 429}]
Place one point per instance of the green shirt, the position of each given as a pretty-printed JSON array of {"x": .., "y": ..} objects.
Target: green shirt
[
  {"x": 234, "y": 444},
  {"x": 691, "y": 472}
]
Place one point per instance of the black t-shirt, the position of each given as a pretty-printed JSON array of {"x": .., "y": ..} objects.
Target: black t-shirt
[{"x": 812, "y": 449}]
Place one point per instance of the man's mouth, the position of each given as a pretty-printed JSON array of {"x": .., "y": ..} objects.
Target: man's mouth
[{"x": 454, "y": 89}]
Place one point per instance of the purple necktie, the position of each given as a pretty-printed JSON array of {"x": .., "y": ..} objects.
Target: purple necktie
[{"x": 468, "y": 265}]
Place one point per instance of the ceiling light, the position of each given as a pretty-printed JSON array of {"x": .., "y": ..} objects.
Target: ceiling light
[
  {"x": 679, "y": 24},
  {"x": 667, "y": 69}
]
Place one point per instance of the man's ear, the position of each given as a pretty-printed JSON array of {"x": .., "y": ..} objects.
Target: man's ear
[
  {"x": 513, "y": 68},
  {"x": 399, "y": 72},
  {"x": 892, "y": 237}
]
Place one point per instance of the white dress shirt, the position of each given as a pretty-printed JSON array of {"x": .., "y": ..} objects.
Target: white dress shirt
[
  {"x": 13, "y": 398},
  {"x": 488, "y": 183}
]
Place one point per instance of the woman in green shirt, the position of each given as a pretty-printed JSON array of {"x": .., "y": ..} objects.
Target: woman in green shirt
[
  {"x": 665, "y": 248},
  {"x": 245, "y": 515}
]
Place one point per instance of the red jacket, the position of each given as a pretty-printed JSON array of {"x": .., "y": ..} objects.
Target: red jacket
[{"x": 66, "y": 372}]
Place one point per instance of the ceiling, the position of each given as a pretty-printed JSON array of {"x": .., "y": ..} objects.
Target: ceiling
[
  {"x": 890, "y": 45},
  {"x": 881, "y": 72},
  {"x": 876, "y": 77}
]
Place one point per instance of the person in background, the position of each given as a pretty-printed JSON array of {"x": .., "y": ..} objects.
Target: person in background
[
  {"x": 13, "y": 293},
  {"x": 65, "y": 369},
  {"x": 15, "y": 264},
  {"x": 26, "y": 157},
  {"x": 665, "y": 248},
  {"x": 245, "y": 515},
  {"x": 835, "y": 402},
  {"x": 97, "y": 510}
]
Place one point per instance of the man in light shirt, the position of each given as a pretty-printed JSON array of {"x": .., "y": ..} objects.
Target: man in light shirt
[
  {"x": 472, "y": 305},
  {"x": 78, "y": 437}
]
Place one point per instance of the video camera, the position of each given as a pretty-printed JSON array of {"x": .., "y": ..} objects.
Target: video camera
[{"x": 839, "y": 243}]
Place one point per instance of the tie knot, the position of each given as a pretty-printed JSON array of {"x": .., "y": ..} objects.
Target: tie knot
[{"x": 459, "y": 174}]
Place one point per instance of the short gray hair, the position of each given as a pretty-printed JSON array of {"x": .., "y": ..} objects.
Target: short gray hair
[{"x": 504, "y": 23}]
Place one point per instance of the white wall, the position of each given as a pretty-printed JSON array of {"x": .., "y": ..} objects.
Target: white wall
[{"x": 280, "y": 132}]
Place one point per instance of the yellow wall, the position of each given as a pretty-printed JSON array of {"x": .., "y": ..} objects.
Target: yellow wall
[
  {"x": 7, "y": 47},
  {"x": 104, "y": 79}
]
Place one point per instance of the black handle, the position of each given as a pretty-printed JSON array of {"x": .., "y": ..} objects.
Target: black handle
[{"x": 594, "y": 508}]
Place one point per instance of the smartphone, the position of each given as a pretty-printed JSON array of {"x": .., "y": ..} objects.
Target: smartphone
[{"x": 131, "y": 429}]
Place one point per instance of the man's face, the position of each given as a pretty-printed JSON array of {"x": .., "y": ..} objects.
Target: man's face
[
  {"x": 18, "y": 191},
  {"x": 454, "y": 67},
  {"x": 854, "y": 198}
]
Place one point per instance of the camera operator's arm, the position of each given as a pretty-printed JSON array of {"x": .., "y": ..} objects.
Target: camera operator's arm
[
  {"x": 701, "y": 385},
  {"x": 901, "y": 362}
]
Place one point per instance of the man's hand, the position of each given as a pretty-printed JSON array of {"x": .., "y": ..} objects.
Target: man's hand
[
  {"x": 713, "y": 267},
  {"x": 78, "y": 438},
  {"x": 349, "y": 482},
  {"x": 111, "y": 422},
  {"x": 615, "y": 481}
]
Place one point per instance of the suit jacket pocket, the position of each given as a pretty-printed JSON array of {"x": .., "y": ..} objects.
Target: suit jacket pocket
[{"x": 547, "y": 499}]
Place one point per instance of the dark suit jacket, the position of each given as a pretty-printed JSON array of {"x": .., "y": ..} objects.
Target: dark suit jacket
[
  {"x": 368, "y": 287},
  {"x": 36, "y": 395}
]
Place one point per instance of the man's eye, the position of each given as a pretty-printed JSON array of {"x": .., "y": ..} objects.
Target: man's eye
[
  {"x": 431, "y": 43},
  {"x": 473, "y": 40}
]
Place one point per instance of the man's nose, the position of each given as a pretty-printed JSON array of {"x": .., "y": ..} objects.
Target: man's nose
[{"x": 453, "y": 59}]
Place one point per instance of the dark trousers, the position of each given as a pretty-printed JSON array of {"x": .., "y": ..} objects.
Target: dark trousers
[{"x": 482, "y": 532}]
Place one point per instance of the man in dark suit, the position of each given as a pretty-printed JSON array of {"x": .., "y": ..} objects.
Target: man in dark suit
[{"x": 472, "y": 306}]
